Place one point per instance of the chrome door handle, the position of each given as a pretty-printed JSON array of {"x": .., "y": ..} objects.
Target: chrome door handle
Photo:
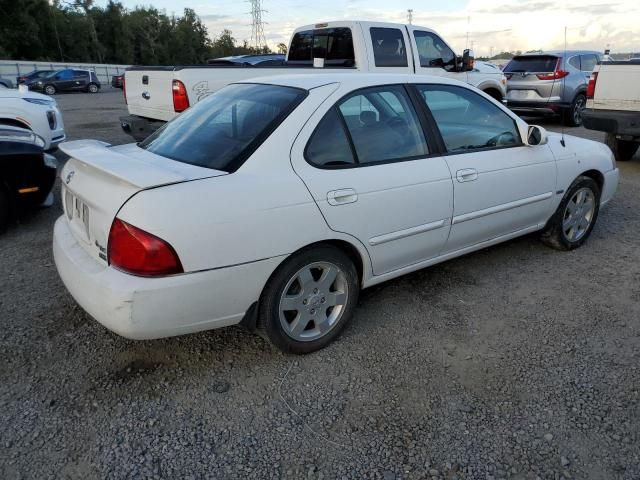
[
  {"x": 342, "y": 196},
  {"x": 467, "y": 175}
]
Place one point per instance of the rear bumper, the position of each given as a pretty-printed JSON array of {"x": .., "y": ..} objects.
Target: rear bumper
[
  {"x": 139, "y": 127},
  {"x": 612, "y": 121},
  {"x": 536, "y": 108},
  {"x": 145, "y": 308}
]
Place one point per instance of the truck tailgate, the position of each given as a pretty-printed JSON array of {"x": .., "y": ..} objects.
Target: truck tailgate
[
  {"x": 617, "y": 86},
  {"x": 149, "y": 92}
]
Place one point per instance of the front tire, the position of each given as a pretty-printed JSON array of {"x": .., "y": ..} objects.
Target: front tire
[
  {"x": 309, "y": 299},
  {"x": 573, "y": 116},
  {"x": 50, "y": 90},
  {"x": 575, "y": 217},
  {"x": 623, "y": 150}
]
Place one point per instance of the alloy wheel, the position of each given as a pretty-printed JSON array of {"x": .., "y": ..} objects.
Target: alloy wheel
[
  {"x": 313, "y": 301},
  {"x": 577, "y": 110},
  {"x": 579, "y": 214}
]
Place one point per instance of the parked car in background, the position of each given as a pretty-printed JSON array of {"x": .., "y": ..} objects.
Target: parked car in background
[
  {"x": 613, "y": 105},
  {"x": 117, "y": 81},
  {"x": 34, "y": 111},
  {"x": 268, "y": 59},
  {"x": 36, "y": 74},
  {"x": 5, "y": 83},
  {"x": 155, "y": 95},
  {"x": 338, "y": 183},
  {"x": 67, "y": 80},
  {"x": 550, "y": 83},
  {"x": 27, "y": 173}
]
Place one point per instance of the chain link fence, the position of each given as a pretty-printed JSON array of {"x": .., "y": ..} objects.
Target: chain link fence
[{"x": 10, "y": 70}]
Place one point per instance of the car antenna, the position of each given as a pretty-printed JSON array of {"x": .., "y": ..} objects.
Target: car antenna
[{"x": 564, "y": 81}]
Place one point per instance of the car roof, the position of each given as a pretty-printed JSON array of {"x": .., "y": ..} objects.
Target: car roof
[
  {"x": 560, "y": 53},
  {"x": 349, "y": 80}
]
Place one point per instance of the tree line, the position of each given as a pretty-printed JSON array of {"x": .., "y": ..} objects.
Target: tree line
[{"x": 79, "y": 31}]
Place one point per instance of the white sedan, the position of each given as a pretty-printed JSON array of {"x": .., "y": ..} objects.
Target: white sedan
[{"x": 273, "y": 202}]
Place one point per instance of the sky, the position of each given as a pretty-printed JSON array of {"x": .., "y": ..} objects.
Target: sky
[{"x": 493, "y": 25}]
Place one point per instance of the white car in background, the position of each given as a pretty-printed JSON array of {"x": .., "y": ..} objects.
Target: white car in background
[
  {"x": 272, "y": 202},
  {"x": 39, "y": 113}
]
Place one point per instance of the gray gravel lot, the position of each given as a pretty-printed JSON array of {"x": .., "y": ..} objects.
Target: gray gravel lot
[{"x": 514, "y": 362}]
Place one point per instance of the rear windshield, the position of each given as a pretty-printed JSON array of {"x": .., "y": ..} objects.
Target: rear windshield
[
  {"x": 335, "y": 45},
  {"x": 224, "y": 129},
  {"x": 532, "y": 63}
]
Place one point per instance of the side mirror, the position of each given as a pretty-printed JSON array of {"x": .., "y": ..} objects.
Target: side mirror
[
  {"x": 468, "y": 60},
  {"x": 536, "y": 136}
]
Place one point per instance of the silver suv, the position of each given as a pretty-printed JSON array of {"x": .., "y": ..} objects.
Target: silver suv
[{"x": 550, "y": 83}]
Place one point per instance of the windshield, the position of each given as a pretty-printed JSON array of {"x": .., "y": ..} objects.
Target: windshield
[{"x": 224, "y": 129}]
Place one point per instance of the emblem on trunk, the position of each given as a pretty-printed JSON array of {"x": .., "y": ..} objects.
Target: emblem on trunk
[{"x": 70, "y": 176}]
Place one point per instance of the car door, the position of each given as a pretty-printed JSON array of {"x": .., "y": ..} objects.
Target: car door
[
  {"x": 80, "y": 79},
  {"x": 501, "y": 186},
  {"x": 64, "y": 80},
  {"x": 374, "y": 176},
  {"x": 432, "y": 55}
]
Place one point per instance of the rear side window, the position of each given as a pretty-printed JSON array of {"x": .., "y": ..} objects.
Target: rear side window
[
  {"x": 80, "y": 74},
  {"x": 335, "y": 45},
  {"x": 433, "y": 52},
  {"x": 388, "y": 47},
  {"x": 588, "y": 62},
  {"x": 374, "y": 125},
  {"x": 532, "y": 63},
  {"x": 224, "y": 129},
  {"x": 575, "y": 62}
]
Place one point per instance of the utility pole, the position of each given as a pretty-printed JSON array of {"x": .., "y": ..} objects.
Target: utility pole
[
  {"x": 468, "y": 22},
  {"x": 410, "y": 16},
  {"x": 491, "y": 51},
  {"x": 257, "y": 25}
]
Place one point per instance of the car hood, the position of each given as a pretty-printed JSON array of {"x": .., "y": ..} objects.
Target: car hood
[{"x": 15, "y": 93}]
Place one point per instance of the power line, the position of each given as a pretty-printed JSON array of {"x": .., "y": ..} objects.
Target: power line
[{"x": 258, "y": 40}]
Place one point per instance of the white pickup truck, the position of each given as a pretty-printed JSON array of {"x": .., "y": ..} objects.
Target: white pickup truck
[
  {"x": 157, "y": 94},
  {"x": 613, "y": 105}
]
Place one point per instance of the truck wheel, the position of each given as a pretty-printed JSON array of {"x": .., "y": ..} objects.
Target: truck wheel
[
  {"x": 573, "y": 116},
  {"x": 623, "y": 150}
]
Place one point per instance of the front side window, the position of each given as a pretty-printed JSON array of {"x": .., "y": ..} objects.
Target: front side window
[
  {"x": 388, "y": 47},
  {"x": 224, "y": 129},
  {"x": 64, "y": 75},
  {"x": 433, "y": 52},
  {"x": 369, "y": 126},
  {"x": 468, "y": 121}
]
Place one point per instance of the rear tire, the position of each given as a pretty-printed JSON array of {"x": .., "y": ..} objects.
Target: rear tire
[
  {"x": 575, "y": 217},
  {"x": 4, "y": 208},
  {"x": 573, "y": 116},
  {"x": 623, "y": 150},
  {"x": 49, "y": 90},
  {"x": 92, "y": 88},
  {"x": 308, "y": 300}
]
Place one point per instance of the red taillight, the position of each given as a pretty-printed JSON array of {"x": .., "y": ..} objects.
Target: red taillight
[
  {"x": 140, "y": 253},
  {"x": 591, "y": 86},
  {"x": 180, "y": 98},
  {"x": 124, "y": 90},
  {"x": 555, "y": 75}
]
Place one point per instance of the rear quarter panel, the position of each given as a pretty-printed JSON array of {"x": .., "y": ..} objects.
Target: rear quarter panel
[{"x": 263, "y": 210}]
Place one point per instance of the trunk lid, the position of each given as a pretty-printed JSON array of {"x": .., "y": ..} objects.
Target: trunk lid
[
  {"x": 523, "y": 83},
  {"x": 98, "y": 180},
  {"x": 149, "y": 92}
]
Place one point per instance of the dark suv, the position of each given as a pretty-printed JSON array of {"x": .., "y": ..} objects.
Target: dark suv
[
  {"x": 67, "y": 80},
  {"x": 553, "y": 82}
]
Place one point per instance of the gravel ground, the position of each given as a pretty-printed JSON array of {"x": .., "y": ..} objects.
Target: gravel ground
[{"x": 514, "y": 362}]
